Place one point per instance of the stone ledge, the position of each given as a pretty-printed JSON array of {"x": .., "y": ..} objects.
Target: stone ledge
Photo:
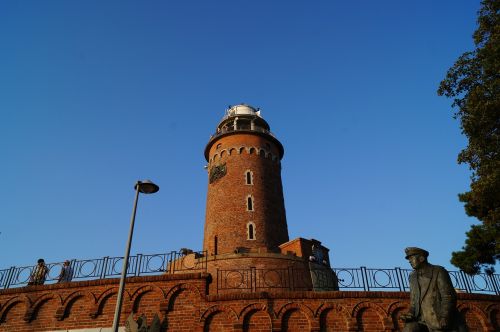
[{"x": 335, "y": 295}]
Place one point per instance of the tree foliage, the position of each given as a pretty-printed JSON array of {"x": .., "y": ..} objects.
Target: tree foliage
[{"x": 474, "y": 84}]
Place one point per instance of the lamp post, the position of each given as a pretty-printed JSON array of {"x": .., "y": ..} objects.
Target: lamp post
[{"x": 145, "y": 187}]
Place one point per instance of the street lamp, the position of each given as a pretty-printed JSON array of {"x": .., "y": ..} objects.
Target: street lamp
[{"x": 145, "y": 187}]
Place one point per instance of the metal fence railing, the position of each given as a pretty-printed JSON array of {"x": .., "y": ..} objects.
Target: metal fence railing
[
  {"x": 241, "y": 128},
  {"x": 251, "y": 279},
  {"x": 109, "y": 267},
  {"x": 292, "y": 279},
  {"x": 362, "y": 278},
  {"x": 398, "y": 279}
]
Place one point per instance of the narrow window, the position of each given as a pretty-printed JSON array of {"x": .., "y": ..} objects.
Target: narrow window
[
  {"x": 251, "y": 231},
  {"x": 215, "y": 245},
  {"x": 249, "y": 203},
  {"x": 249, "y": 177}
]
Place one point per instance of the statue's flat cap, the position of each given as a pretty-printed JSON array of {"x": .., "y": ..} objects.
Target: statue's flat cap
[{"x": 411, "y": 251}]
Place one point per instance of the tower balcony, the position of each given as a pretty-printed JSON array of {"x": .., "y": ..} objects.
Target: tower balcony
[
  {"x": 233, "y": 124},
  {"x": 242, "y": 128}
]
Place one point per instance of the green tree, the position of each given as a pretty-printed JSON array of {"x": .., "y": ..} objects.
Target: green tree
[{"x": 474, "y": 84}]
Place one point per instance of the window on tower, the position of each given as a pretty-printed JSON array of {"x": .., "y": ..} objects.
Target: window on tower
[
  {"x": 250, "y": 231},
  {"x": 249, "y": 177},
  {"x": 249, "y": 203}
]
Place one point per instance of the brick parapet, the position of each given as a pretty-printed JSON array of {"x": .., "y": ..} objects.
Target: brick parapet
[{"x": 184, "y": 305}]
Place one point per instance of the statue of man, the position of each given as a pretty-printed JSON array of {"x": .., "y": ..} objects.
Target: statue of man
[{"x": 433, "y": 301}]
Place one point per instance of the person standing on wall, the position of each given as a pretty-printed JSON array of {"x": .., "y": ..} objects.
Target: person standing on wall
[
  {"x": 39, "y": 273},
  {"x": 66, "y": 273}
]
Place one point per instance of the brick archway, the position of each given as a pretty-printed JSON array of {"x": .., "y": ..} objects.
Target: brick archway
[
  {"x": 332, "y": 317},
  {"x": 140, "y": 292},
  {"x": 218, "y": 318},
  {"x": 394, "y": 311},
  {"x": 6, "y": 307},
  {"x": 102, "y": 302},
  {"x": 32, "y": 311},
  {"x": 254, "y": 317},
  {"x": 64, "y": 310},
  {"x": 296, "y": 317},
  {"x": 493, "y": 312},
  {"x": 476, "y": 319},
  {"x": 367, "y": 312},
  {"x": 181, "y": 305}
]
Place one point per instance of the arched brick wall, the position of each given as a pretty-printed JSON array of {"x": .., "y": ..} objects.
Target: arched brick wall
[
  {"x": 257, "y": 320},
  {"x": 146, "y": 302},
  {"x": 476, "y": 319},
  {"x": 182, "y": 309},
  {"x": 183, "y": 304},
  {"x": 394, "y": 312},
  {"x": 12, "y": 314},
  {"x": 333, "y": 318},
  {"x": 254, "y": 317},
  {"x": 369, "y": 320},
  {"x": 218, "y": 318},
  {"x": 74, "y": 309},
  {"x": 493, "y": 313},
  {"x": 294, "y": 320}
]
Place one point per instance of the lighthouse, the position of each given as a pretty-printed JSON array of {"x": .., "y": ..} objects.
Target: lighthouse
[
  {"x": 246, "y": 245},
  {"x": 245, "y": 209}
]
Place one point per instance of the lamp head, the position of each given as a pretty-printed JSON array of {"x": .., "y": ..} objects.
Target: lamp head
[{"x": 146, "y": 187}]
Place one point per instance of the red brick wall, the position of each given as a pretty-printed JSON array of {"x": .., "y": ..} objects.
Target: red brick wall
[
  {"x": 183, "y": 305},
  {"x": 226, "y": 212},
  {"x": 257, "y": 321},
  {"x": 295, "y": 320},
  {"x": 369, "y": 320},
  {"x": 333, "y": 319}
]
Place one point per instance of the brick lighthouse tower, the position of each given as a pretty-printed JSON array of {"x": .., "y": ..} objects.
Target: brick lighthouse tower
[
  {"x": 245, "y": 210},
  {"x": 246, "y": 235}
]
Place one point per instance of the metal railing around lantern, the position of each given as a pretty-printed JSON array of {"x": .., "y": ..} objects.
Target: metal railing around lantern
[{"x": 241, "y": 129}]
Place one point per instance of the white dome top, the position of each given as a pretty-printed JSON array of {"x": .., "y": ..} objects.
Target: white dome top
[{"x": 242, "y": 109}]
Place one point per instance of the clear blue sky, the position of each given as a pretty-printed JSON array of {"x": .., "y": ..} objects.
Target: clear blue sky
[{"x": 95, "y": 95}]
